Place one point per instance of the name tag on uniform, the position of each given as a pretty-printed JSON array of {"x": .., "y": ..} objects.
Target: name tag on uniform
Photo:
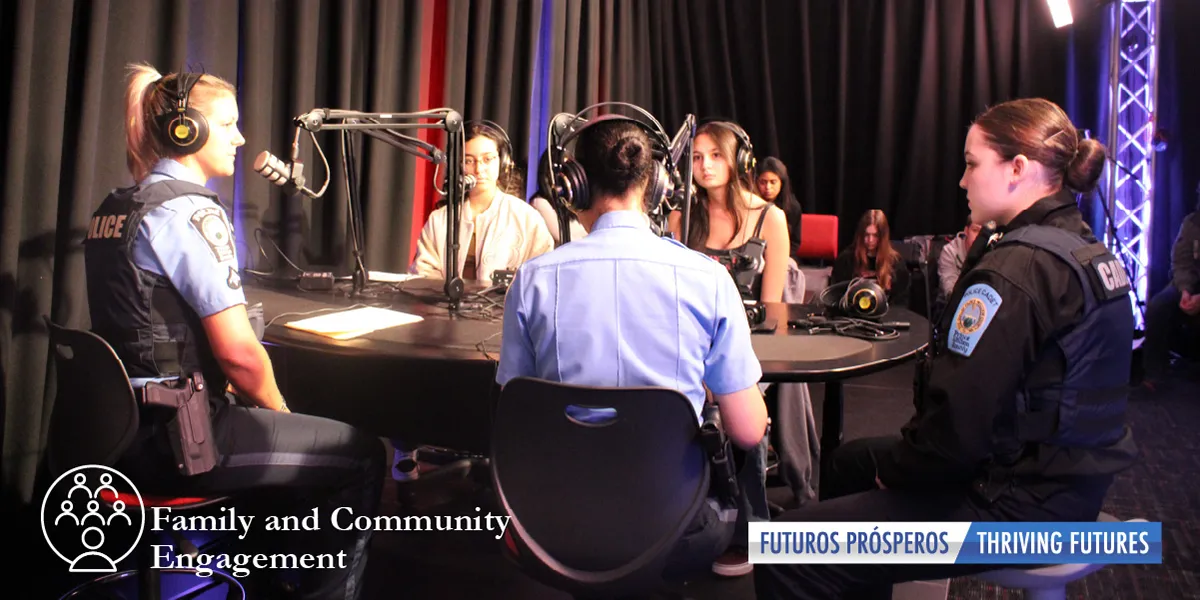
[{"x": 976, "y": 311}]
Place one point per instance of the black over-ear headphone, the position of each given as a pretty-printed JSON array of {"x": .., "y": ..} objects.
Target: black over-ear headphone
[
  {"x": 860, "y": 297},
  {"x": 183, "y": 130},
  {"x": 570, "y": 181},
  {"x": 744, "y": 162},
  {"x": 506, "y": 148}
]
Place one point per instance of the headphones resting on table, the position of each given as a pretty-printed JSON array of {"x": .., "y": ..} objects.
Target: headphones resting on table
[{"x": 860, "y": 298}]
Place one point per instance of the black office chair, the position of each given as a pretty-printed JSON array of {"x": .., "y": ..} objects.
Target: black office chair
[
  {"x": 596, "y": 504},
  {"x": 94, "y": 420}
]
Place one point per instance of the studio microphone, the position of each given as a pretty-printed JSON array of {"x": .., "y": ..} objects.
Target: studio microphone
[{"x": 289, "y": 176}]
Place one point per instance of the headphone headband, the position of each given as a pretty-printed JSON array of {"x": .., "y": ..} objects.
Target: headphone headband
[
  {"x": 183, "y": 129},
  {"x": 571, "y": 188},
  {"x": 495, "y": 129},
  {"x": 654, "y": 128}
]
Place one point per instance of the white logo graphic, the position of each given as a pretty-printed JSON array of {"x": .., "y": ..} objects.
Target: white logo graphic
[{"x": 76, "y": 529}]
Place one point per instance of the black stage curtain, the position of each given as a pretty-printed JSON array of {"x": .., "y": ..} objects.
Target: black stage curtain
[
  {"x": 490, "y": 51},
  {"x": 1177, "y": 168},
  {"x": 868, "y": 103}
]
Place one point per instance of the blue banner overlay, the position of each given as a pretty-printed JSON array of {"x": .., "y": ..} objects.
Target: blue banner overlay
[{"x": 1108, "y": 543}]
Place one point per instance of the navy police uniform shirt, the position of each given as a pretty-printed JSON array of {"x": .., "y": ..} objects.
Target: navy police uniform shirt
[
  {"x": 999, "y": 323},
  {"x": 189, "y": 240}
]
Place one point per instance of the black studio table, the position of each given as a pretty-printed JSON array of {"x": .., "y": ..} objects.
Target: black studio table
[{"x": 433, "y": 382}]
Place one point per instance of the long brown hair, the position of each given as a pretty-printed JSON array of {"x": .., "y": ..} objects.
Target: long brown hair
[
  {"x": 1042, "y": 132},
  {"x": 151, "y": 94},
  {"x": 736, "y": 189},
  {"x": 885, "y": 255}
]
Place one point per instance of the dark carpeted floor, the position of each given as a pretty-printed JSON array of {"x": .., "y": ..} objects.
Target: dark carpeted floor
[
  {"x": 468, "y": 565},
  {"x": 1162, "y": 487}
]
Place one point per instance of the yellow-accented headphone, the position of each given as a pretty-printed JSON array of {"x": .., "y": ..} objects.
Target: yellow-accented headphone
[
  {"x": 183, "y": 130},
  {"x": 860, "y": 297},
  {"x": 744, "y": 162}
]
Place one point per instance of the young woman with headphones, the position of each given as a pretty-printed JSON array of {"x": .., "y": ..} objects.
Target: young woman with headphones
[
  {"x": 729, "y": 221},
  {"x": 499, "y": 230}
]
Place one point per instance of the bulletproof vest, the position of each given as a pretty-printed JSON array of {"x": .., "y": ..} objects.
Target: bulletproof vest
[
  {"x": 1088, "y": 408},
  {"x": 142, "y": 316}
]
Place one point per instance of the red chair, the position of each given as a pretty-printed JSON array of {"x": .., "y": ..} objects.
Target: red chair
[
  {"x": 95, "y": 419},
  {"x": 818, "y": 237}
]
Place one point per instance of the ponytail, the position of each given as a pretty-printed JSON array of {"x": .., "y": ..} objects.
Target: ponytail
[
  {"x": 141, "y": 151},
  {"x": 147, "y": 97}
]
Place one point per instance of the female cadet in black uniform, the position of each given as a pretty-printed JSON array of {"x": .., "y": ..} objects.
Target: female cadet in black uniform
[{"x": 1020, "y": 415}]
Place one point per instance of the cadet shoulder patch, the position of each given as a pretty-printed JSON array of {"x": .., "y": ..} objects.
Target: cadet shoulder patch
[
  {"x": 975, "y": 312},
  {"x": 210, "y": 222}
]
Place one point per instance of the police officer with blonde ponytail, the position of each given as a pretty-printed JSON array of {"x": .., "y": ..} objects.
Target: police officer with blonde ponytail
[{"x": 164, "y": 291}]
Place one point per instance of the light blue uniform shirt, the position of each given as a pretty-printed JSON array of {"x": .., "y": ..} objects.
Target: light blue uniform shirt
[
  {"x": 189, "y": 241},
  {"x": 623, "y": 307},
  {"x": 191, "y": 244}
]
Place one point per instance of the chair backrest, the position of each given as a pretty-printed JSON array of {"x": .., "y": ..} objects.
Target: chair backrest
[
  {"x": 597, "y": 500},
  {"x": 95, "y": 414},
  {"x": 818, "y": 237}
]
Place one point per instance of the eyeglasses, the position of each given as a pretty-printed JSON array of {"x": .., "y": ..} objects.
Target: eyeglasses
[{"x": 483, "y": 161}]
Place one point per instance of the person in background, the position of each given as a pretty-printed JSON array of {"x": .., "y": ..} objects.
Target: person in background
[
  {"x": 1177, "y": 307},
  {"x": 498, "y": 231},
  {"x": 954, "y": 254},
  {"x": 728, "y": 218},
  {"x": 543, "y": 202},
  {"x": 873, "y": 256},
  {"x": 775, "y": 186}
]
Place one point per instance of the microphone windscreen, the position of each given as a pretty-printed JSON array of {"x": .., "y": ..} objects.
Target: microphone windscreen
[{"x": 272, "y": 168}]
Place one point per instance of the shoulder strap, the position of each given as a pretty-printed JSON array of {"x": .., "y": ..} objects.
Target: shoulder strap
[
  {"x": 159, "y": 192},
  {"x": 762, "y": 216},
  {"x": 1094, "y": 266}
]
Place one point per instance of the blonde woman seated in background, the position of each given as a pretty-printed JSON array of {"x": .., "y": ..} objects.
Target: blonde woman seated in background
[
  {"x": 499, "y": 231},
  {"x": 543, "y": 202}
]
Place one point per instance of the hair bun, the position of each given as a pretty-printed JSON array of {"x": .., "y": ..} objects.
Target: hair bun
[
  {"x": 625, "y": 159},
  {"x": 1084, "y": 170}
]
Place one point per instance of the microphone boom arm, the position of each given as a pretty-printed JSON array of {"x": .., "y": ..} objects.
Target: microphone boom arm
[{"x": 385, "y": 127}]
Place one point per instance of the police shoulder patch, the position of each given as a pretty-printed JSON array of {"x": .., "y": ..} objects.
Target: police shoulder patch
[
  {"x": 210, "y": 222},
  {"x": 975, "y": 312}
]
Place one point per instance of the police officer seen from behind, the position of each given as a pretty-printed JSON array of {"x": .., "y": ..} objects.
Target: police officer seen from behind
[
  {"x": 164, "y": 291},
  {"x": 623, "y": 307},
  {"x": 1021, "y": 416}
]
